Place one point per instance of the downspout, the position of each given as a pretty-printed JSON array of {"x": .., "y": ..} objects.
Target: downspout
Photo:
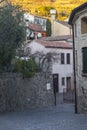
[{"x": 76, "y": 111}]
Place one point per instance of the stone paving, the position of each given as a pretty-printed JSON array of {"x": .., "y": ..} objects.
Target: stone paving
[{"x": 61, "y": 117}]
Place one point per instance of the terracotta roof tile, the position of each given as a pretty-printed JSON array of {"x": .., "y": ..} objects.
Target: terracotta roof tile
[
  {"x": 57, "y": 38},
  {"x": 55, "y": 44},
  {"x": 35, "y": 27}
]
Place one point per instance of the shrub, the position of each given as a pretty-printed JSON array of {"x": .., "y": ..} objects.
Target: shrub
[{"x": 26, "y": 67}]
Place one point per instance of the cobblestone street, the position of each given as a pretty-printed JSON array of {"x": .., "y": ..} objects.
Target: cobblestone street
[{"x": 61, "y": 117}]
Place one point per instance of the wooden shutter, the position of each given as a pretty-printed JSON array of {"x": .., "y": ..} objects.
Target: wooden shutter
[
  {"x": 68, "y": 58},
  {"x": 62, "y": 58}
]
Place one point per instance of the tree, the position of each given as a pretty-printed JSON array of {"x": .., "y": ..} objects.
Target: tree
[
  {"x": 12, "y": 34},
  {"x": 48, "y": 27},
  {"x": 48, "y": 59},
  {"x": 45, "y": 60}
]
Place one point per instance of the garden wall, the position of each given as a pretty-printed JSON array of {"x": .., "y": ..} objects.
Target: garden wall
[{"x": 17, "y": 93}]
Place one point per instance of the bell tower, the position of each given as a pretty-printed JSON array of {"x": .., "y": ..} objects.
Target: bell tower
[{"x": 53, "y": 18}]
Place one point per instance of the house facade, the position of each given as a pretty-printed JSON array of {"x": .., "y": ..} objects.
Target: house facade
[
  {"x": 59, "y": 27},
  {"x": 62, "y": 64},
  {"x": 35, "y": 26},
  {"x": 78, "y": 20},
  {"x": 62, "y": 28},
  {"x": 41, "y": 21}
]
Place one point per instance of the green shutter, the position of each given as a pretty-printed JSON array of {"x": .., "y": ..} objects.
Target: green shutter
[{"x": 84, "y": 60}]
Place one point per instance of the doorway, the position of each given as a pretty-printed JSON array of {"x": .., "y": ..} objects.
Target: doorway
[
  {"x": 68, "y": 84},
  {"x": 56, "y": 83},
  {"x": 55, "y": 86}
]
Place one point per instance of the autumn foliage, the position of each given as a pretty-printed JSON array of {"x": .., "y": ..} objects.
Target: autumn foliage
[{"x": 63, "y": 7}]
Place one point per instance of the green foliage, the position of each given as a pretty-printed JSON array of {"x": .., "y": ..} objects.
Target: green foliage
[
  {"x": 12, "y": 34},
  {"x": 17, "y": 65},
  {"x": 6, "y": 54},
  {"x": 48, "y": 28},
  {"x": 26, "y": 67}
]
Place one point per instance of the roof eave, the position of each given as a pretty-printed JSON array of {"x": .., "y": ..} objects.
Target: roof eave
[
  {"x": 75, "y": 11},
  {"x": 58, "y": 47}
]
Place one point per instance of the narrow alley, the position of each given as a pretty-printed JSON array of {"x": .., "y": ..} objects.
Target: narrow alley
[{"x": 60, "y": 117}]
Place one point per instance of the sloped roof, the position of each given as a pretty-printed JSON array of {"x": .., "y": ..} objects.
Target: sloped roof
[
  {"x": 64, "y": 23},
  {"x": 57, "y": 38},
  {"x": 54, "y": 44},
  {"x": 35, "y": 27},
  {"x": 75, "y": 11}
]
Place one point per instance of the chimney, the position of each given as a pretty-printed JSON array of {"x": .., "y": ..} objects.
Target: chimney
[{"x": 53, "y": 18}]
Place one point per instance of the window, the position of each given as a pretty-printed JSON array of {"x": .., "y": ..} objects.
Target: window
[
  {"x": 84, "y": 56},
  {"x": 62, "y": 58},
  {"x": 63, "y": 81},
  {"x": 84, "y": 25},
  {"x": 68, "y": 58},
  {"x": 44, "y": 22},
  {"x": 37, "y": 21}
]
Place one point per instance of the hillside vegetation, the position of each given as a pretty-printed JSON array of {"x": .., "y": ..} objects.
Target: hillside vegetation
[{"x": 63, "y": 7}]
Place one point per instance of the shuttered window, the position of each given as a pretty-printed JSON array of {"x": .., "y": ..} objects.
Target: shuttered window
[
  {"x": 62, "y": 58},
  {"x": 68, "y": 58},
  {"x": 84, "y": 25},
  {"x": 84, "y": 50}
]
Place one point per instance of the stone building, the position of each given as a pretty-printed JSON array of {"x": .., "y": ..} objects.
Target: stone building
[{"x": 78, "y": 20}]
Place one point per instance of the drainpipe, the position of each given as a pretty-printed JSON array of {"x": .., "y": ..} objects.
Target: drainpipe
[{"x": 76, "y": 111}]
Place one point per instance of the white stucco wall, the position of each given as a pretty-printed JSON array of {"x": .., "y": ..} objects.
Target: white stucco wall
[
  {"x": 64, "y": 70},
  {"x": 60, "y": 29},
  {"x": 35, "y": 47},
  {"x": 29, "y": 17}
]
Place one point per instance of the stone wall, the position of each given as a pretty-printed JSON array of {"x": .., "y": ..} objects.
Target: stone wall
[
  {"x": 82, "y": 101},
  {"x": 17, "y": 93},
  {"x": 80, "y": 41}
]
